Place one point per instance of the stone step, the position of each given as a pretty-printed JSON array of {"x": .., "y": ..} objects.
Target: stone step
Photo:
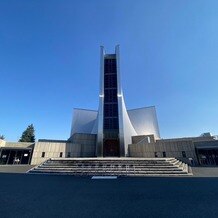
[
  {"x": 110, "y": 169},
  {"x": 110, "y": 166},
  {"x": 106, "y": 170},
  {"x": 93, "y": 164},
  {"x": 113, "y": 161},
  {"x": 85, "y": 164},
  {"x": 118, "y": 167},
  {"x": 110, "y": 173}
]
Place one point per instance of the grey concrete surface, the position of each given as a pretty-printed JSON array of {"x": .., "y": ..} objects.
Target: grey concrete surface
[
  {"x": 205, "y": 171},
  {"x": 15, "y": 168},
  {"x": 25, "y": 195}
]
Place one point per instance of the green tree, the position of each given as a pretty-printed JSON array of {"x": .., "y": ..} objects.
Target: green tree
[
  {"x": 28, "y": 135},
  {"x": 2, "y": 137}
]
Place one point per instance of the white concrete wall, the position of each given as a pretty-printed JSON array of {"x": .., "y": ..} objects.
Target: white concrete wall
[
  {"x": 74, "y": 150},
  {"x": 19, "y": 144},
  {"x": 2, "y": 143},
  {"x": 51, "y": 149},
  {"x": 84, "y": 145},
  {"x": 172, "y": 149}
]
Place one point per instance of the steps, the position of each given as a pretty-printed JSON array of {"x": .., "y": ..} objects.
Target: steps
[{"x": 113, "y": 167}]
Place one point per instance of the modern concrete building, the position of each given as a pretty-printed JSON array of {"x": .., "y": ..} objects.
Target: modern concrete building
[
  {"x": 113, "y": 131},
  {"x": 112, "y": 123},
  {"x": 15, "y": 152}
]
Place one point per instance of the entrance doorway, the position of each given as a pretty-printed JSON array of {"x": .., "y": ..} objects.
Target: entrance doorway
[
  {"x": 15, "y": 156},
  {"x": 111, "y": 148},
  {"x": 208, "y": 157}
]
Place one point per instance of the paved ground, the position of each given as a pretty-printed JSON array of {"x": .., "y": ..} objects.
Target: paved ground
[
  {"x": 23, "y": 195},
  {"x": 205, "y": 171},
  {"x": 15, "y": 168}
]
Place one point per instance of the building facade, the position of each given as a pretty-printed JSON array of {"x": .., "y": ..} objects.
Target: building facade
[
  {"x": 112, "y": 123},
  {"x": 113, "y": 131}
]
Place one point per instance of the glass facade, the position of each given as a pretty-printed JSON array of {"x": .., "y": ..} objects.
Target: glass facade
[
  {"x": 15, "y": 155},
  {"x": 110, "y": 120},
  {"x": 207, "y": 152}
]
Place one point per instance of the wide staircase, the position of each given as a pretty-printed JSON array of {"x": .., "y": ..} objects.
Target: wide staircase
[{"x": 113, "y": 167}]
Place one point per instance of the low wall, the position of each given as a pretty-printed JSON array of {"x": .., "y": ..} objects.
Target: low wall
[
  {"x": 47, "y": 149},
  {"x": 177, "y": 149},
  {"x": 83, "y": 145}
]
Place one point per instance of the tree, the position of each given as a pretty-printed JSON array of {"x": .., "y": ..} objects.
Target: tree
[
  {"x": 28, "y": 135},
  {"x": 2, "y": 137}
]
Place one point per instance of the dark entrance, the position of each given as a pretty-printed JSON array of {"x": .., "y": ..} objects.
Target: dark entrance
[
  {"x": 208, "y": 156},
  {"x": 15, "y": 155},
  {"x": 207, "y": 152},
  {"x": 111, "y": 148}
]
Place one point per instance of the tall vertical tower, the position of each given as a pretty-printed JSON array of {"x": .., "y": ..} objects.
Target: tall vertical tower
[
  {"x": 111, "y": 126},
  {"x": 113, "y": 120}
]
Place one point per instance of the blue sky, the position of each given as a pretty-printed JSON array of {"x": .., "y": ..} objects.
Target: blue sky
[{"x": 49, "y": 62}]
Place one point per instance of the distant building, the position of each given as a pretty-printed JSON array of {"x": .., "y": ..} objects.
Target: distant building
[{"x": 113, "y": 131}]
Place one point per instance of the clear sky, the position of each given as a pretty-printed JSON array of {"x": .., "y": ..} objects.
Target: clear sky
[{"x": 49, "y": 62}]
